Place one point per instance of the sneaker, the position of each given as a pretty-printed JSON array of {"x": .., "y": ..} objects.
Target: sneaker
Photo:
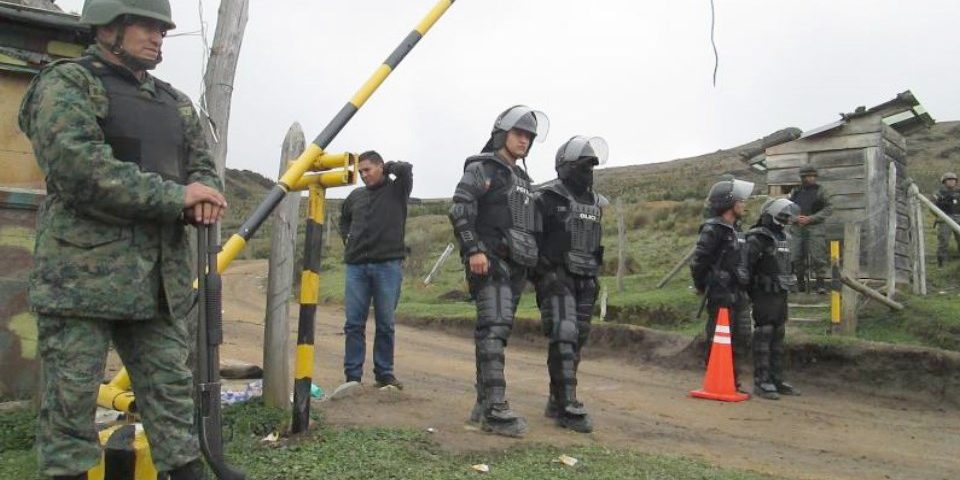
[
  {"x": 766, "y": 390},
  {"x": 389, "y": 381},
  {"x": 784, "y": 388}
]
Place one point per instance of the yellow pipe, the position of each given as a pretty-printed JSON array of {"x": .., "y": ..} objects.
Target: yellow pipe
[
  {"x": 309, "y": 287},
  {"x": 318, "y": 197},
  {"x": 303, "y": 364},
  {"x": 301, "y": 165},
  {"x": 330, "y": 179},
  {"x": 329, "y": 161},
  {"x": 116, "y": 398},
  {"x": 383, "y": 71},
  {"x": 835, "y": 293},
  {"x": 432, "y": 16}
]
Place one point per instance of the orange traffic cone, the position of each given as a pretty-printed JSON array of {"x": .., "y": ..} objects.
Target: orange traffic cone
[{"x": 719, "y": 383}]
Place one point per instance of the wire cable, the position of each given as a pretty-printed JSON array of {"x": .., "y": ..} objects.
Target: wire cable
[{"x": 716, "y": 54}]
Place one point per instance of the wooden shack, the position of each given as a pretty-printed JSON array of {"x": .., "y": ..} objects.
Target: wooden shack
[
  {"x": 29, "y": 39},
  {"x": 862, "y": 163}
]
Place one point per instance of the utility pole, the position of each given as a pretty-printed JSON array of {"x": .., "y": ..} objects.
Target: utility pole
[{"x": 218, "y": 79}]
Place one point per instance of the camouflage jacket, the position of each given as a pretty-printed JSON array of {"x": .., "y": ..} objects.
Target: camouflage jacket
[{"x": 110, "y": 240}]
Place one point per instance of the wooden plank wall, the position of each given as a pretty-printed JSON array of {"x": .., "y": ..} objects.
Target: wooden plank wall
[{"x": 853, "y": 161}]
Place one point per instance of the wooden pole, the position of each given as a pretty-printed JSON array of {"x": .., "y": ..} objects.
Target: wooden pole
[
  {"x": 276, "y": 338},
  {"x": 891, "y": 230},
  {"x": 849, "y": 298},
  {"x": 869, "y": 292},
  {"x": 440, "y": 261},
  {"x": 921, "y": 239},
  {"x": 939, "y": 213},
  {"x": 916, "y": 236},
  {"x": 835, "y": 284},
  {"x": 621, "y": 245},
  {"x": 676, "y": 268},
  {"x": 218, "y": 79}
]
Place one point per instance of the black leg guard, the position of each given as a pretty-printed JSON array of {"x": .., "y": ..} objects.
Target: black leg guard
[
  {"x": 762, "y": 337},
  {"x": 740, "y": 333}
]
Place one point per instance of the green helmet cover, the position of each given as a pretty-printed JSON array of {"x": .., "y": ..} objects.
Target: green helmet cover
[
  {"x": 948, "y": 176},
  {"x": 103, "y": 12}
]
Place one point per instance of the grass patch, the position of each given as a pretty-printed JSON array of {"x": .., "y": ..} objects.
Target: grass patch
[{"x": 387, "y": 453}]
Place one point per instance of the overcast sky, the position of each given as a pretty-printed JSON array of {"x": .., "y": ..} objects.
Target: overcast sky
[{"x": 635, "y": 72}]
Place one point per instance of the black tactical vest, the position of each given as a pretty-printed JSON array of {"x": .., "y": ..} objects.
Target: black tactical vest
[
  {"x": 949, "y": 201},
  {"x": 774, "y": 271},
  {"x": 142, "y": 130},
  {"x": 808, "y": 199},
  {"x": 506, "y": 216},
  {"x": 583, "y": 230}
]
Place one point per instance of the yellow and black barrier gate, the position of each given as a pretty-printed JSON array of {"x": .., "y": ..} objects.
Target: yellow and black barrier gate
[{"x": 314, "y": 170}]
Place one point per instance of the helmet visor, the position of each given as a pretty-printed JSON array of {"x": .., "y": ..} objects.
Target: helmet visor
[
  {"x": 579, "y": 147},
  {"x": 526, "y": 119},
  {"x": 742, "y": 189},
  {"x": 783, "y": 210}
]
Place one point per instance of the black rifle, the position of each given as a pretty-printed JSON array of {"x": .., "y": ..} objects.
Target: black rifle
[
  {"x": 209, "y": 338},
  {"x": 703, "y": 302}
]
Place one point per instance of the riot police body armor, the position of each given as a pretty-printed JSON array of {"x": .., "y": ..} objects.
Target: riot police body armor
[
  {"x": 766, "y": 271},
  {"x": 494, "y": 218}
]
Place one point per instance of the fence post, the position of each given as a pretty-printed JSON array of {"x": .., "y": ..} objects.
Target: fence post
[
  {"x": 851, "y": 267},
  {"x": 621, "y": 241},
  {"x": 891, "y": 230},
  {"x": 276, "y": 325}
]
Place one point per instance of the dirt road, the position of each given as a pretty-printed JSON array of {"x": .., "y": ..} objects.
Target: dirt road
[{"x": 822, "y": 434}]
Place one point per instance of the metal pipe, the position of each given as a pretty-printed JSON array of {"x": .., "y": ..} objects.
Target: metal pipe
[{"x": 309, "y": 297}]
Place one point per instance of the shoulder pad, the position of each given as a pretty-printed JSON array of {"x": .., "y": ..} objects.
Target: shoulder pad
[
  {"x": 762, "y": 232},
  {"x": 479, "y": 159},
  {"x": 555, "y": 186}
]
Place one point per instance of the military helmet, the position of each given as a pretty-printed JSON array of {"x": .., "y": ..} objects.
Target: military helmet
[
  {"x": 948, "y": 176},
  {"x": 725, "y": 193},
  {"x": 782, "y": 210},
  {"x": 103, "y": 12},
  {"x": 807, "y": 170},
  {"x": 583, "y": 147}
]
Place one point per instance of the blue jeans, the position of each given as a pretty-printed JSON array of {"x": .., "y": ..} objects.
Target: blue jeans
[{"x": 379, "y": 283}]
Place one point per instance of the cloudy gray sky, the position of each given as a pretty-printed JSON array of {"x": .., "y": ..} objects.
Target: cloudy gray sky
[{"x": 635, "y": 72}]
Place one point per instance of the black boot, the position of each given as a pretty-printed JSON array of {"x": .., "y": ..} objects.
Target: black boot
[
  {"x": 194, "y": 470},
  {"x": 939, "y": 261},
  {"x": 82, "y": 476},
  {"x": 784, "y": 388}
]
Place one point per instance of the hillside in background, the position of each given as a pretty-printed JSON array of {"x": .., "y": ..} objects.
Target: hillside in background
[{"x": 931, "y": 152}]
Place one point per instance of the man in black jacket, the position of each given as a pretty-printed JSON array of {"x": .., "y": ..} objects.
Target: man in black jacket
[
  {"x": 715, "y": 262},
  {"x": 372, "y": 222},
  {"x": 494, "y": 219}
]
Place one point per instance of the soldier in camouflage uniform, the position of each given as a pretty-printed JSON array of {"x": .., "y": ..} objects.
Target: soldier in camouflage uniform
[
  {"x": 948, "y": 200},
  {"x": 127, "y": 168},
  {"x": 808, "y": 237}
]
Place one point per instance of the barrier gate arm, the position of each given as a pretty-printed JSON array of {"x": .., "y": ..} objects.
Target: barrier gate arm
[{"x": 313, "y": 157}]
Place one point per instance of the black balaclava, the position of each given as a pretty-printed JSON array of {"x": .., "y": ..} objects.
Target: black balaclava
[{"x": 578, "y": 176}]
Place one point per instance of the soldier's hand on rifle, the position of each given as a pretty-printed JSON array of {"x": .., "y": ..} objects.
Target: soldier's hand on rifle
[
  {"x": 202, "y": 204},
  {"x": 479, "y": 264}
]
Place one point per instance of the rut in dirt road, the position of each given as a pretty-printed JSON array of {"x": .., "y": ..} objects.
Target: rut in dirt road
[{"x": 823, "y": 434}]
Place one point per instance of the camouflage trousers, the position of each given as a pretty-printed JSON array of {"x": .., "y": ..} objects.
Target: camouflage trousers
[
  {"x": 943, "y": 238},
  {"x": 809, "y": 243},
  {"x": 74, "y": 353}
]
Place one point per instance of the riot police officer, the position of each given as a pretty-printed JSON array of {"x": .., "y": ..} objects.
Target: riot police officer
[
  {"x": 714, "y": 265},
  {"x": 566, "y": 276},
  {"x": 766, "y": 273},
  {"x": 948, "y": 200},
  {"x": 493, "y": 217}
]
